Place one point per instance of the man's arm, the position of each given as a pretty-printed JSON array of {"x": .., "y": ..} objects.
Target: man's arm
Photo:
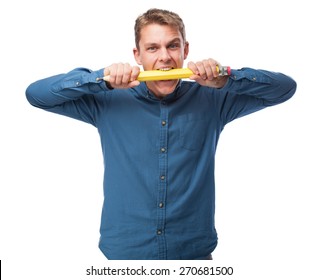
[
  {"x": 248, "y": 90},
  {"x": 72, "y": 94},
  {"x": 56, "y": 90}
]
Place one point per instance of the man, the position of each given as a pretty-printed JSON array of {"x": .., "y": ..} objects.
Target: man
[{"x": 159, "y": 138}]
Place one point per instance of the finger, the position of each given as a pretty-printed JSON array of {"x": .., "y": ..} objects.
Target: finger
[
  {"x": 214, "y": 67},
  {"x": 201, "y": 70},
  {"x": 111, "y": 71},
  {"x": 135, "y": 73},
  {"x": 118, "y": 74},
  {"x": 127, "y": 70},
  {"x": 106, "y": 71},
  {"x": 208, "y": 63},
  {"x": 192, "y": 66},
  {"x": 133, "y": 83}
]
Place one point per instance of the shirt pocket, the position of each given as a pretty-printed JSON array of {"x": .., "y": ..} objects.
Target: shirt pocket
[{"x": 192, "y": 131}]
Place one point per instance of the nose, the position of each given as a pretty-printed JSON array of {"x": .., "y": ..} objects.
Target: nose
[{"x": 164, "y": 54}]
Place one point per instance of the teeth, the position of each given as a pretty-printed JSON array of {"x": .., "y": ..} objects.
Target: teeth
[{"x": 165, "y": 69}]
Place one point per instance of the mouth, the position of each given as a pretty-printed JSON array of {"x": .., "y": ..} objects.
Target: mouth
[{"x": 165, "y": 68}]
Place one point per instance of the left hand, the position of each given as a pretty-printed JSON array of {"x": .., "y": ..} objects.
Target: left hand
[{"x": 206, "y": 74}]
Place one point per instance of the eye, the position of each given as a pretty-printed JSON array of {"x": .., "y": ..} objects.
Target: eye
[
  {"x": 152, "y": 49},
  {"x": 173, "y": 46}
]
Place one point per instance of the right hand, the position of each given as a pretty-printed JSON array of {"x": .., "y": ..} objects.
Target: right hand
[
  {"x": 122, "y": 75},
  {"x": 206, "y": 73}
]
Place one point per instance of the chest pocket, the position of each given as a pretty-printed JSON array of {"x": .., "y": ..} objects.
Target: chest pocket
[{"x": 192, "y": 131}]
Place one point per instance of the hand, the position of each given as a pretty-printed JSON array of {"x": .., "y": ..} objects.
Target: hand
[
  {"x": 206, "y": 73},
  {"x": 122, "y": 75}
]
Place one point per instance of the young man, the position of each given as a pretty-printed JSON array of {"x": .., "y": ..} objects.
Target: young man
[{"x": 159, "y": 138}]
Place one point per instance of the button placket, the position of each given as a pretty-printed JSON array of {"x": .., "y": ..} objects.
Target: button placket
[{"x": 163, "y": 182}]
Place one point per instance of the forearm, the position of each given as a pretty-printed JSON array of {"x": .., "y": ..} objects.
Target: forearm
[
  {"x": 248, "y": 90},
  {"x": 270, "y": 87},
  {"x": 56, "y": 90}
]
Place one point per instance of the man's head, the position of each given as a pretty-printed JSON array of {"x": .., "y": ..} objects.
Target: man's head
[
  {"x": 161, "y": 17},
  {"x": 160, "y": 45}
]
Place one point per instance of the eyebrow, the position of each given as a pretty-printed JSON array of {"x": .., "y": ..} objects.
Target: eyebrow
[{"x": 176, "y": 40}]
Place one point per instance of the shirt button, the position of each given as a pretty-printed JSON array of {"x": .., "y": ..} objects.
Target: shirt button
[
  {"x": 159, "y": 232},
  {"x": 163, "y": 123},
  {"x": 163, "y": 150},
  {"x": 161, "y": 204},
  {"x": 77, "y": 83},
  {"x": 162, "y": 177}
]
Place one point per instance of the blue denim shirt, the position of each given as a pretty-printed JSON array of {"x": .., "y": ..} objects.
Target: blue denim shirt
[{"x": 159, "y": 154}]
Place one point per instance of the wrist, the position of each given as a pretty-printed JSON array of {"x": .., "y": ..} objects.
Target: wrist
[{"x": 221, "y": 81}]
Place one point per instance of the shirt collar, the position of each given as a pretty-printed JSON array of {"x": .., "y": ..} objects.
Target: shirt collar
[{"x": 144, "y": 91}]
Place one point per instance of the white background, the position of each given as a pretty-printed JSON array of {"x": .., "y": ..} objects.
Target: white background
[{"x": 52, "y": 168}]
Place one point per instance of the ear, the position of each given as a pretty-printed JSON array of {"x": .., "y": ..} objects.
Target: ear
[
  {"x": 136, "y": 54},
  {"x": 186, "y": 50}
]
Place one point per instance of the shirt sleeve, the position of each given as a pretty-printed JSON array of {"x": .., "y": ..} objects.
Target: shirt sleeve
[
  {"x": 249, "y": 90},
  {"x": 73, "y": 94}
]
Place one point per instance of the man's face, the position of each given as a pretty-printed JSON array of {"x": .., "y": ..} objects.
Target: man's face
[{"x": 161, "y": 47}]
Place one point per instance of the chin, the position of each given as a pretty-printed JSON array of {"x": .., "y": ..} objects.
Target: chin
[{"x": 165, "y": 88}]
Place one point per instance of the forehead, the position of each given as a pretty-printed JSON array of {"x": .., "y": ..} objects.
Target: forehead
[{"x": 155, "y": 33}]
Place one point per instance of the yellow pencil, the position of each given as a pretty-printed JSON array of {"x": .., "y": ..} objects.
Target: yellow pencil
[{"x": 173, "y": 74}]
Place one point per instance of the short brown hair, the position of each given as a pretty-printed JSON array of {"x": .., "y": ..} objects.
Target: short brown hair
[{"x": 158, "y": 16}]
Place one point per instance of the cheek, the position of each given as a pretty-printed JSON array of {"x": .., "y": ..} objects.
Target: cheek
[
  {"x": 179, "y": 56},
  {"x": 138, "y": 59},
  {"x": 148, "y": 62}
]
